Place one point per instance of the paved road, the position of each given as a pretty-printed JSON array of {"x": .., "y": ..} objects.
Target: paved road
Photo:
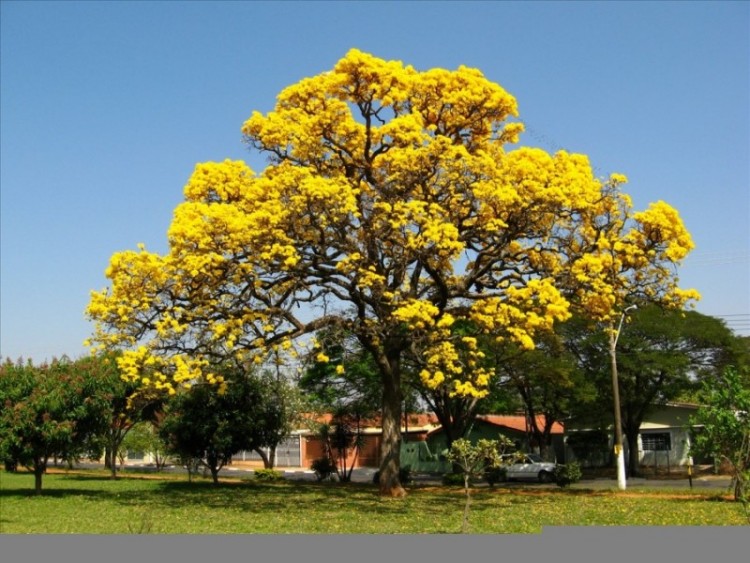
[{"x": 365, "y": 475}]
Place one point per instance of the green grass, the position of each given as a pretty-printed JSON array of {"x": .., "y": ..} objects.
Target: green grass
[{"x": 87, "y": 502}]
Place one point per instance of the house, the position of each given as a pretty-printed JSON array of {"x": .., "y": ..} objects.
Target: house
[
  {"x": 492, "y": 426},
  {"x": 663, "y": 442},
  {"x": 423, "y": 443},
  {"x": 305, "y": 445}
]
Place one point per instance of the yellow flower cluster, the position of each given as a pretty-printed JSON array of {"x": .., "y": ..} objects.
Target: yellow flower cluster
[
  {"x": 629, "y": 256},
  {"x": 523, "y": 312},
  {"x": 417, "y": 314},
  {"x": 165, "y": 373},
  {"x": 456, "y": 364}
]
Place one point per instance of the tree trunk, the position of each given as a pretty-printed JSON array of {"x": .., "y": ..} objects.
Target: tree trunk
[
  {"x": 213, "y": 464},
  {"x": 465, "y": 521},
  {"x": 111, "y": 454},
  {"x": 390, "y": 446},
  {"x": 544, "y": 446},
  {"x": 264, "y": 457},
  {"x": 39, "y": 469},
  {"x": 634, "y": 469}
]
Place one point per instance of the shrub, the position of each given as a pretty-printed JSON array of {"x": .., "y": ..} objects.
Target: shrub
[
  {"x": 268, "y": 475},
  {"x": 495, "y": 475},
  {"x": 567, "y": 474},
  {"x": 453, "y": 479},
  {"x": 323, "y": 468}
]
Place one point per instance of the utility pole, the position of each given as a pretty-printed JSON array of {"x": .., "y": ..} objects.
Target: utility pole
[{"x": 619, "y": 453}]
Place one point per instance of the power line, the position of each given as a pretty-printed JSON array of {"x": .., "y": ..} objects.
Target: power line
[{"x": 715, "y": 258}]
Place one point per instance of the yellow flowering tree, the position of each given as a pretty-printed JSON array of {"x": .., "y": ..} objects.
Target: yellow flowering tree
[
  {"x": 623, "y": 258},
  {"x": 391, "y": 207}
]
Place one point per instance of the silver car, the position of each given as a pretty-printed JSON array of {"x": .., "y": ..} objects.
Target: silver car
[{"x": 530, "y": 466}]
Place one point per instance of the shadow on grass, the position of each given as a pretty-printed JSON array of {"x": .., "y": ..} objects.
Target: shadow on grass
[
  {"x": 251, "y": 496},
  {"x": 52, "y": 493}
]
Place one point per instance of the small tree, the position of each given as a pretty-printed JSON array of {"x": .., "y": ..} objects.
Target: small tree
[
  {"x": 47, "y": 411},
  {"x": 323, "y": 467},
  {"x": 124, "y": 403},
  {"x": 342, "y": 439},
  {"x": 144, "y": 437},
  {"x": 474, "y": 459},
  {"x": 211, "y": 423},
  {"x": 567, "y": 474},
  {"x": 278, "y": 413},
  {"x": 725, "y": 421}
]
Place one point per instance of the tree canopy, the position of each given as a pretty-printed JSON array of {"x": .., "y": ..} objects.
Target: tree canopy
[
  {"x": 210, "y": 425},
  {"x": 394, "y": 204},
  {"x": 724, "y": 426},
  {"x": 49, "y": 410},
  {"x": 662, "y": 357}
]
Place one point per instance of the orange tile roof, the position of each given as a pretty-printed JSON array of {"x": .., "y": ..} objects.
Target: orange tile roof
[
  {"x": 430, "y": 423},
  {"x": 517, "y": 422}
]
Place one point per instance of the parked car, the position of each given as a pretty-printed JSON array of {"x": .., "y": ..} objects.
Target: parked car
[{"x": 529, "y": 466}]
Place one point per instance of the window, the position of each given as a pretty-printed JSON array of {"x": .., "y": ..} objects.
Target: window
[
  {"x": 657, "y": 441},
  {"x": 135, "y": 455}
]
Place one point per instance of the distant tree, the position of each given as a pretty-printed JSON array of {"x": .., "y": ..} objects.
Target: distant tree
[
  {"x": 124, "y": 402},
  {"x": 342, "y": 438},
  {"x": 724, "y": 426},
  {"x": 661, "y": 355},
  {"x": 347, "y": 380},
  {"x": 211, "y": 423},
  {"x": 50, "y": 410},
  {"x": 144, "y": 437},
  {"x": 282, "y": 407},
  {"x": 548, "y": 381}
]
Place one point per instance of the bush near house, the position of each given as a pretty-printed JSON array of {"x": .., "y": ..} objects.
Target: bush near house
[
  {"x": 268, "y": 475},
  {"x": 495, "y": 475},
  {"x": 568, "y": 473},
  {"x": 324, "y": 468}
]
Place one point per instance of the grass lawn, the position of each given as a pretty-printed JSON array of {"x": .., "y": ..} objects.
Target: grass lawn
[{"x": 88, "y": 502}]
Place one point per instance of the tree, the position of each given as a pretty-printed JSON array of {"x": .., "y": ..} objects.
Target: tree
[
  {"x": 392, "y": 207},
  {"x": 124, "y": 403},
  {"x": 724, "y": 425},
  {"x": 662, "y": 355},
  {"x": 473, "y": 460},
  {"x": 281, "y": 409},
  {"x": 210, "y": 424},
  {"x": 347, "y": 380},
  {"x": 548, "y": 381},
  {"x": 144, "y": 437},
  {"x": 341, "y": 438},
  {"x": 48, "y": 410},
  {"x": 624, "y": 257}
]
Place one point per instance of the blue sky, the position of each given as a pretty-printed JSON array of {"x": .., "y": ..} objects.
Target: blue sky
[{"x": 106, "y": 107}]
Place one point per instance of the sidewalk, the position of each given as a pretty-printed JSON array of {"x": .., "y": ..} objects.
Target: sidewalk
[
  {"x": 365, "y": 475},
  {"x": 717, "y": 482}
]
